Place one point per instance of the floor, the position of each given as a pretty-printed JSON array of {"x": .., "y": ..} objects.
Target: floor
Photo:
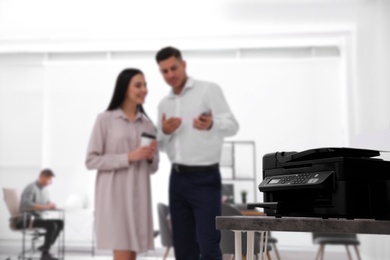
[{"x": 85, "y": 254}]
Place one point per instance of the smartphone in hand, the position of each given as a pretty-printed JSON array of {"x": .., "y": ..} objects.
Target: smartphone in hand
[{"x": 203, "y": 114}]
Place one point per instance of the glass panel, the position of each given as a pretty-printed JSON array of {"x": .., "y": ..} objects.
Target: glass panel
[
  {"x": 238, "y": 187},
  {"x": 226, "y": 172},
  {"x": 244, "y": 160}
]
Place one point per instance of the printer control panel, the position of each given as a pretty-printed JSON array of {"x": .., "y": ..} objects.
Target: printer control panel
[{"x": 299, "y": 179}]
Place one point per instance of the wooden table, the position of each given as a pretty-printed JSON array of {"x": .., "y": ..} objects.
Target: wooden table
[
  {"x": 263, "y": 224},
  {"x": 253, "y": 213}
]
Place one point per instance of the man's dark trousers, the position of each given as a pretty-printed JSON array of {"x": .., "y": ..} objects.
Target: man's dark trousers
[
  {"x": 194, "y": 202},
  {"x": 53, "y": 228}
]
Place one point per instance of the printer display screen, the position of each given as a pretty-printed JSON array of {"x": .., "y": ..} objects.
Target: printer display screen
[{"x": 301, "y": 179}]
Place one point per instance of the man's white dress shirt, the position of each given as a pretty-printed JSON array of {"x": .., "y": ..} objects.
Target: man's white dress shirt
[{"x": 188, "y": 145}]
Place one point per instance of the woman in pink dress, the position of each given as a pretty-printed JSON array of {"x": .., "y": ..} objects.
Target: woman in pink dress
[{"x": 123, "y": 211}]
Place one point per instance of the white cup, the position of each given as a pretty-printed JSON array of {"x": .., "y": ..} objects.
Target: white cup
[{"x": 146, "y": 139}]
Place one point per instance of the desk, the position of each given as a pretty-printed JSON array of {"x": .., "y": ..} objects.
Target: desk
[
  {"x": 263, "y": 224},
  {"x": 251, "y": 212}
]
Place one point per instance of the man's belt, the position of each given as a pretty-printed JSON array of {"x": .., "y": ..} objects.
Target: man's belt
[{"x": 194, "y": 168}]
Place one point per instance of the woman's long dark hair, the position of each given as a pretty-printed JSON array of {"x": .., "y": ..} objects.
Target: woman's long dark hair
[{"x": 120, "y": 91}]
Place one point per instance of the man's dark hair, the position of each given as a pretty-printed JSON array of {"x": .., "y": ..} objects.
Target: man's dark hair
[
  {"x": 166, "y": 53},
  {"x": 47, "y": 173}
]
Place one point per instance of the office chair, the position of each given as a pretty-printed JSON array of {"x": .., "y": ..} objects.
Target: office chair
[
  {"x": 165, "y": 227},
  {"x": 12, "y": 201},
  {"x": 272, "y": 241},
  {"x": 324, "y": 239}
]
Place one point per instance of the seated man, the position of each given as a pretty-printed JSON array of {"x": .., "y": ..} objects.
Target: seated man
[{"x": 34, "y": 200}]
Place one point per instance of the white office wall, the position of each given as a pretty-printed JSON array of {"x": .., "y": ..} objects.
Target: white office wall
[{"x": 372, "y": 64}]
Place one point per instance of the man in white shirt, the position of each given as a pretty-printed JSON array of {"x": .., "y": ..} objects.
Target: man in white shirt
[{"x": 193, "y": 120}]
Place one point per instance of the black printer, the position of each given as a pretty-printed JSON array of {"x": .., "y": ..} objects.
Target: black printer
[{"x": 326, "y": 182}]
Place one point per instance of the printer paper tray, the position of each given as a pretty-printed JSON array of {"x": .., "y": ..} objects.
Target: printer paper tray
[{"x": 280, "y": 206}]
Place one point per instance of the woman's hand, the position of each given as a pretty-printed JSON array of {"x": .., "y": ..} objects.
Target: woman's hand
[
  {"x": 139, "y": 154},
  {"x": 143, "y": 152}
]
